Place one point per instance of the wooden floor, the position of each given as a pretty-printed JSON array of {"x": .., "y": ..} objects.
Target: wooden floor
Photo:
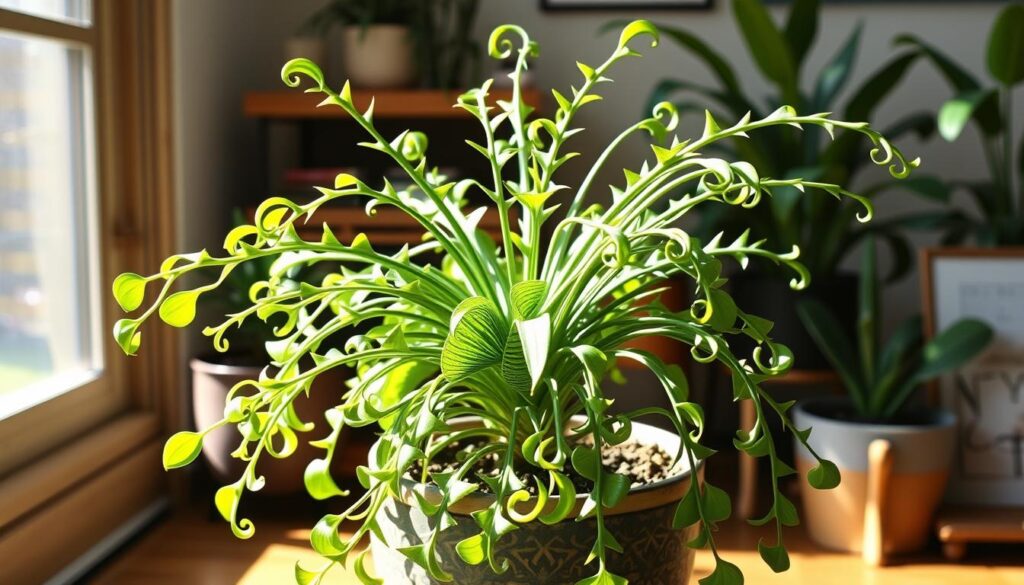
[{"x": 188, "y": 549}]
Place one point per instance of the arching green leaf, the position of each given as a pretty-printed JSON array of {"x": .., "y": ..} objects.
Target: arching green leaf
[
  {"x": 767, "y": 46},
  {"x": 476, "y": 339},
  {"x": 527, "y": 297},
  {"x": 1006, "y": 46},
  {"x": 957, "y": 112}
]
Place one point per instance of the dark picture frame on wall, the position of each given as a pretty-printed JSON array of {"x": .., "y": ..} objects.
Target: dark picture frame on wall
[{"x": 559, "y": 5}]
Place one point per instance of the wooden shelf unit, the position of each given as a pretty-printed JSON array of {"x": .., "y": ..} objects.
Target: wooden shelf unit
[{"x": 391, "y": 103}]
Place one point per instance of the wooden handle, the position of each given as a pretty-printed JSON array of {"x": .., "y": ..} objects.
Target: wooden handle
[{"x": 880, "y": 458}]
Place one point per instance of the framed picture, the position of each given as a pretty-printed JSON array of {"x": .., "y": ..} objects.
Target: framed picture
[
  {"x": 988, "y": 395},
  {"x": 622, "y": 4}
]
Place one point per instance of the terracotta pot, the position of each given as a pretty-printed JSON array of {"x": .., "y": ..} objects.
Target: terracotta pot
[
  {"x": 379, "y": 56},
  {"x": 539, "y": 554},
  {"x": 211, "y": 382},
  {"x": 921, "y": 455}
]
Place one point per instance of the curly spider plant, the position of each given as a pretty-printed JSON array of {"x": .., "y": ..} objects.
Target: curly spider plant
[{"x": 516, "y": 333}]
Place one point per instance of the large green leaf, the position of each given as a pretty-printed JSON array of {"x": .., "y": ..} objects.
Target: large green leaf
[
  {"x": 767, "y": 46},
  {"x": 525, "y": 353},
  {"x": 959, "y": 78},
  {"x": 834, "y": 76},
  {"x": 1006, "y": 46},
  {"x": 801, "y": 28},
  {"x": 953, "y": 347},
  {"x": 957, "y": 112},
  {"x": 527, "y": 297},
  {"x": 828, "y": 334},
  {"x": 864, "y": 101},
  {"x": 714, "y": 60},
  {"x": 536, "y": 336},
  {"x": 476, "y": 339},
  {"x": 897, "y": 356},
  {"x": 949, "y": 350}
]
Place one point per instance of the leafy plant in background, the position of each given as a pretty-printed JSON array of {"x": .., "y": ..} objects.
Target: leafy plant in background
[
  {"x": 513, "y": 333},
  {"x": 882, "y": 378},
  {"x": 361, "y": 13},
  {"x": 1001, "y": 198},
  {"x": 449, "y": 55},
  {"x": 442, "y": 30},
  {"x": 824, "y": 229}
]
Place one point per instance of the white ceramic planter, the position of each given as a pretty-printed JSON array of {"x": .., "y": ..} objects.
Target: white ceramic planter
[
  {"x": 917, "y": 460},
  {"x": 379, "y": 56}
]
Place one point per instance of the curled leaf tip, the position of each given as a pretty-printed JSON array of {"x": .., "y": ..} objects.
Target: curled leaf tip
[
  {"x": 293, "y": 70},
  {"x": 636, "y": 28},
  {"x": 499, "y": 46}
]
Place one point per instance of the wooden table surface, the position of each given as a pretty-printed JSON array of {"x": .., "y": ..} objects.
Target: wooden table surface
[{"x": 188, "y": 549}]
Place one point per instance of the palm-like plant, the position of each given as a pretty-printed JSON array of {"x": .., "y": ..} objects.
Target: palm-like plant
[
  {"x": 515, "y": 334},
  {"x": 826, "y": 230},
  {"x": 882, "y": 377},
  {"x": 1000, "y": 199}
]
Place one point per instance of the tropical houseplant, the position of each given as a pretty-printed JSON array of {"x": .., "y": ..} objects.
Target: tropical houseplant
[
  {"x": 483, "y": 372},
  {"x": 378, "y": 47},
  {"x": 826, "y": 230},
  {"x": 880, "y": 381},
  {"x": 440, "y": 31},
  {"x": 1000, "y": 199}
]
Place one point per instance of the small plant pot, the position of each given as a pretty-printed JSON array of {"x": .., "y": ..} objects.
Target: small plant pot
[
  {"x": 211, "y": 382},
  {"x": 539, "y": 554},
  {"x": 915, "y": 473},
  {"x": 379, "y": 56}
]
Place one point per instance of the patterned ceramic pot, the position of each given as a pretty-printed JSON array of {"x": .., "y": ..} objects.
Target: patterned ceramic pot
[
  {"x": 921, "y": 455},
  {"x": 653, "y": 552}
]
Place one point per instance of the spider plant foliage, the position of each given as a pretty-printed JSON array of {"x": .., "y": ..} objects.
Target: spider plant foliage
[{"x": 516, "y": 333}]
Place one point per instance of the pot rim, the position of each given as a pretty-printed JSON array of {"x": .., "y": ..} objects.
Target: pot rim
[
  {"x": 942, "y": 418},
  {"x": 645, "y": 497},
  {"x": 378, "y": 26},
  {"x": 202, "y": 364}
]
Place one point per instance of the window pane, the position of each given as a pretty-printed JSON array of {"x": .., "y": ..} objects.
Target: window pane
[
  {"x": 48, "y": 325},
  {"x": 72, "y": 11}
]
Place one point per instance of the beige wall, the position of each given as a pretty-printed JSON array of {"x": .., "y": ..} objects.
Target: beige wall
[{"x": 225, "y": 47}]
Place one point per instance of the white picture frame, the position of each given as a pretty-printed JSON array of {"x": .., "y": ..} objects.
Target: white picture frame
[{"x": 987, "y": 396}]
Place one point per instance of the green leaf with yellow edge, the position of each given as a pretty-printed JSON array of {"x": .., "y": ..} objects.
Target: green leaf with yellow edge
[
  {"x": 179, "y": 309},
  {"x": 129, "y": 291},
  {"x": 127, "y": 335},
  {"x": 181, "y": 449}
]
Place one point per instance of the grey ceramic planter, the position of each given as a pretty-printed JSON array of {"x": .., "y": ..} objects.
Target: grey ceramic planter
[{"x": 653, "y": 552}]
